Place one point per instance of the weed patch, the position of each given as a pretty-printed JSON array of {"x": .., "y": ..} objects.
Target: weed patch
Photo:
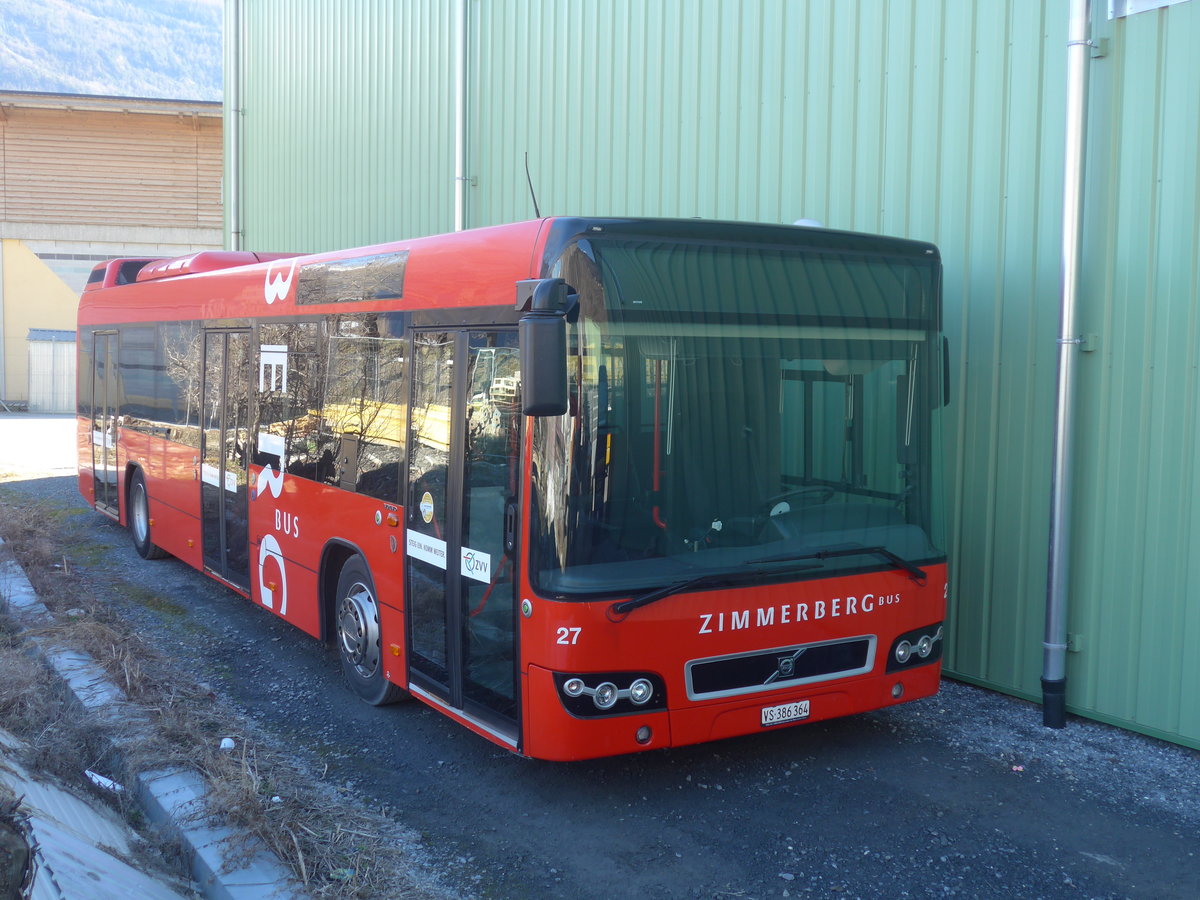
[{"x": 335, "y": 849}]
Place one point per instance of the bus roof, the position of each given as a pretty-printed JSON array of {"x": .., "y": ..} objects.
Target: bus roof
[
  {"x": 206, "y": 261},
  {"x": 473, "y": 268}
]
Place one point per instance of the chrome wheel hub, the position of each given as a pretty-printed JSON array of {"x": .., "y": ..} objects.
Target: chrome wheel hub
[{"x": 358, "y": 629}]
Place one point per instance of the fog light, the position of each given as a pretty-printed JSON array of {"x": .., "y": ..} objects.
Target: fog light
[
  {"x": 643, "y": 735},
  {"x": 605, "y": 696},
  {"x": 573, "y": 687},
  {"x": 924, "y": 646},
  {"x": 897, "y": 690},
  {"x": 903, "y": 652},
  {"x": 641, "y": 691}
]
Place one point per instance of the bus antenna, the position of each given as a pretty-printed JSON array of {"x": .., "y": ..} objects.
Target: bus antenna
[{"x": 536, "y": 212}]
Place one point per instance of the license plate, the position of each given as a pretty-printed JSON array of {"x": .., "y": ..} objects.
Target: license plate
[{"x": 785, "y": 712}]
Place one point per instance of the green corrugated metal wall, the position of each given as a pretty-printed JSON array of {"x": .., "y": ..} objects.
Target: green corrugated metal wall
[
  {"x": 1136, "y": 595},
  {"x": 935, "y": 119},
  {"x": 347, "y": 129}
]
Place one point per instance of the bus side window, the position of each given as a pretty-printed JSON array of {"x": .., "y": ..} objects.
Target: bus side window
[
  {"x": 364, "y": 406},
  {"x": 179, "y": 391},
  {"x": 289, "y": 405}
]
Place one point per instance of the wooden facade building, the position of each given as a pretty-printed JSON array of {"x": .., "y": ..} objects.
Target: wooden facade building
[{"x": 83, "y": 179}]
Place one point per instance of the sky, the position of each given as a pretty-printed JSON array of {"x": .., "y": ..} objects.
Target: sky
[{"x": 165, "y": 49}]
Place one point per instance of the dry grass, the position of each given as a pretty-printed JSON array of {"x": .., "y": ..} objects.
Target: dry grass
[
  {"x": 336, "y": 850},
  {"x": 39, "y": 709}
]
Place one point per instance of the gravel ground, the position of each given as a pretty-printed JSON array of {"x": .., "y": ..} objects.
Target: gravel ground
[{"x": 964, "y": 794}]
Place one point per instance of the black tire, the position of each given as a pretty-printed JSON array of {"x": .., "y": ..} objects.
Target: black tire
[
  {"x": 137, "y": 509},
  {"x": 357, "y": 632}
]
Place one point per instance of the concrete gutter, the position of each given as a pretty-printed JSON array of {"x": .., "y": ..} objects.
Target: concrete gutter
[
  {"x": 71, "y": 847},
  {"x": 171, "y": 799}
]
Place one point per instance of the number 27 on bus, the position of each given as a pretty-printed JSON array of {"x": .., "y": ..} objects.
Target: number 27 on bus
[{"x": 585, "y": 486}]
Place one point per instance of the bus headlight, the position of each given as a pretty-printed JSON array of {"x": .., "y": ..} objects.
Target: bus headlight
[
  {"x": 605, "y": 695},
  {"x": 611, "y": 693},
  {"x": 916, "y": 648},
  {"x": 641, "y": 691}
]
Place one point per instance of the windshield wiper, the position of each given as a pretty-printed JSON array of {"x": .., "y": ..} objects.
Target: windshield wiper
[
  {"x": 659, "y": 593},
  {"x": 677, "y": 587},
  {"x": 900, "y": 562}
]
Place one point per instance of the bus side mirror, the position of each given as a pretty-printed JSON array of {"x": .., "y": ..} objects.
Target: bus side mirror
[{"x": 542, "y": 335}]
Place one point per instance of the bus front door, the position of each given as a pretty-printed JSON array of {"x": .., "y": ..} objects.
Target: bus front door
[
  {"x": 463, "y": 462},
  {"x": 104, "y": 420},
  {"x": 224, "y": 491}
]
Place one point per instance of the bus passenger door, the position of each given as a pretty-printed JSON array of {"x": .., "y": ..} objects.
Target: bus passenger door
[
  {"x": 104, "y": 420},
  {"x": 224, "y": 489},
  {"x": 463, "y": 464}
]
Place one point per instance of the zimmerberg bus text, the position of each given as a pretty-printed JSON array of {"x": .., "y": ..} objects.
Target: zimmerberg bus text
[{"x": 789, "y": 613}]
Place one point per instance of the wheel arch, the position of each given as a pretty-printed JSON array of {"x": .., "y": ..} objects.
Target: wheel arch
[
  {"x": 144, "y": 543},
  {"x": 334, "y": 556},
  {"x": 132, "y": 467}
]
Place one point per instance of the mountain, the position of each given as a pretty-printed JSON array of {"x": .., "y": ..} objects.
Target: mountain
[{"x": 166, "y": 49}]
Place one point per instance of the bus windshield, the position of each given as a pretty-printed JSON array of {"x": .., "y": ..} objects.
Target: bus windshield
[{"x": 735, "y": 409}]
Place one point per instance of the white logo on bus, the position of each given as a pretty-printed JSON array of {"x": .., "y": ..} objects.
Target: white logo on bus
[
  {"x": 278, "y": 287},
  {"x": 270, "y": 549},
  {"x": 270, "y": 481}
]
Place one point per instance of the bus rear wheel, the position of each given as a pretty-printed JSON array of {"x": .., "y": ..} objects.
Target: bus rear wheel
[
  {"x": 359, "y": 639},
  {"x": 139, "y": 519}
]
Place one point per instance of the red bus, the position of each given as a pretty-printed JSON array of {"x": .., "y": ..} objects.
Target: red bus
[{"x": 586, "y": 486}]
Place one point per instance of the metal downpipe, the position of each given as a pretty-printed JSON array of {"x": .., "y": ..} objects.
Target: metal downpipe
[
  {"x": 1054, "y": 667},
  {"x": 460, "y": 115},
  {"x": 233, "y": 121}
]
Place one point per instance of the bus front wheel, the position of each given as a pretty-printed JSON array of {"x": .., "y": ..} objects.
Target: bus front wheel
[
  {"x": 359, "y": 640},
  {"x": 139, "y": 519}
]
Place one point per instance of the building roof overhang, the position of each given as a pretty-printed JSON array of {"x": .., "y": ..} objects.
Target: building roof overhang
[{"x": 11, "y": 100}]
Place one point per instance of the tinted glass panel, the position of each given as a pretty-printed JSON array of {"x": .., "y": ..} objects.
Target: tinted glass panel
[
  {"x": 378, "y": 277},
  {"x": 730, "y": 406}
]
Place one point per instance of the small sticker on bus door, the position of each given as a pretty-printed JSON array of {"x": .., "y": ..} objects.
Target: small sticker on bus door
[
  {"x": 427, "y": 549},
  {"x": 477, "y": 565},
  {"x": 212, "y": 475}
]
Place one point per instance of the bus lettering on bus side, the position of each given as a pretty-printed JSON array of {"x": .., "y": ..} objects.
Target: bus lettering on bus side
[
  {"x": 287, "y": 523},
  {"x": 794, "y": 613}
]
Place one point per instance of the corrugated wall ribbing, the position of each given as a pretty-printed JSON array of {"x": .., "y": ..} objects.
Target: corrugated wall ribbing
[
  {"x": 347, "y": 136},
  {"x": 1002, "y": 181},
  {"x": 1136, "y": 600},
  {"x": 935, "y": 120}
]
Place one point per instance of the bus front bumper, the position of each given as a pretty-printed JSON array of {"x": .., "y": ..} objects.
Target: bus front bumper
[{"x": 552, "y": 733}]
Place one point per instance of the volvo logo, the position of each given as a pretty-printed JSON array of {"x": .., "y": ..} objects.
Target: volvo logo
[{"x": 785, "y": 666}]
